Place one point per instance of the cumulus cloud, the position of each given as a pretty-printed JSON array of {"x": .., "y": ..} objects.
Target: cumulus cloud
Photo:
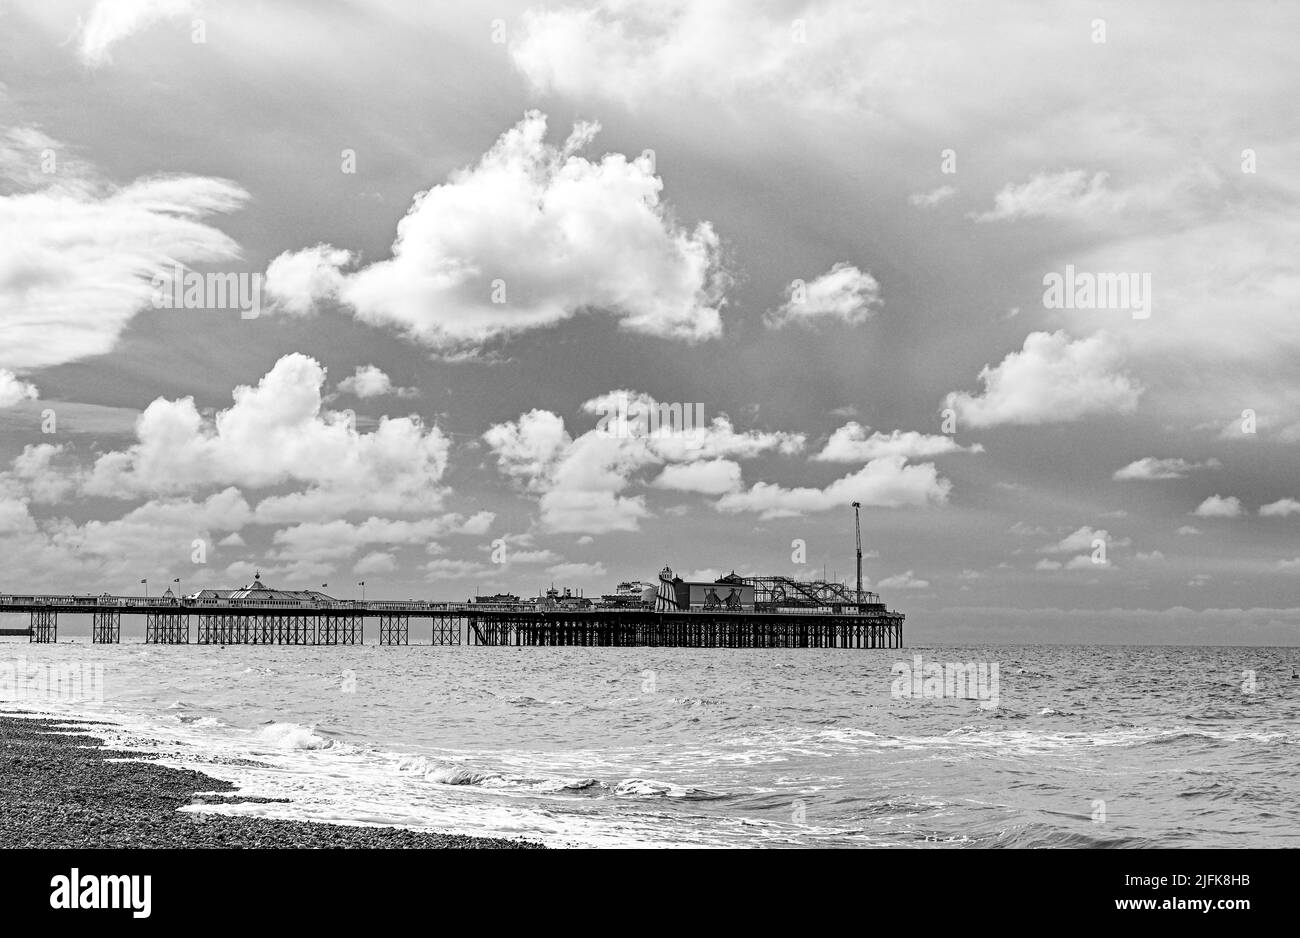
[
  {"x": 278, "y": 433},
  {"x": 1084, "y": 538},
  {"x": 1052, "y": 379},
  {"x": 14, "y": 391},
  {"x": 528, "y": 449},
  {"x": 632, "y": 415},
  {"x": 1081, "y": 562},
  {"x": 843, "y": 292},
  {"x": 36, "y": 474},
  {"x": 707, "y": 477},
  {"x": 297, "y": 281},
  {"x": 888, "y": 482},
  {"x": 1157, "y": 198},
  {"x": 580, "y": 481},
  {"x": 325, "y": 542},
  {"x": 820, "y": 53},
  {"x": 850, "y": 443},
  {"x": 81, "y": 255},
  {"x": 1218, "y": 507},
  {"x": 159, "y": 535},
  {"x": 371, "y": 381},
  {"x": 190, "y": 469},
  {"x": 583, "y": 482},
  {"x": 1280, "y": 508},
  {"x": 1048, "y": 195},
  {"x": 1150, "y": 468},
  {"x": 530, "y": 236}
]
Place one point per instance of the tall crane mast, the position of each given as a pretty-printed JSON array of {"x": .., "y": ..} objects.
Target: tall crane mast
[{"x": 857, "y": 530}]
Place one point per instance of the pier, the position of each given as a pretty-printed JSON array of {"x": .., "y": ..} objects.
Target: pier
[{"x": 175, "y": 621}]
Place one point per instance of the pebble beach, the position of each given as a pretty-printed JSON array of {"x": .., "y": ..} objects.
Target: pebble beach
[{"x": 60, "y": 788}]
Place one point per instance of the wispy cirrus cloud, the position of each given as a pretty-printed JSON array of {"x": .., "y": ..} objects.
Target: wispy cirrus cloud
[
  {"x": 111, "y": 21},
  {"x": 1149, "y": 468},
  {"x": 81, "y": 254}
]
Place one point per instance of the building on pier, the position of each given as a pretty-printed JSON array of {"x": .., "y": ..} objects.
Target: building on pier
[
  {"x": 555, "y": 599},
  {"x": 630, "y": 594},
  {"x": 778, "y": 594},
  {"x": 498, "y": 599},
  {"x": 728, "y": 593},
  {"x": 257, "y": 590}
]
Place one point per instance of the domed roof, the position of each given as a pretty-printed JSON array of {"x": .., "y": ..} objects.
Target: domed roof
[
  {"x": 252, "y": 590},
  {"x": 259, "y": 590}
]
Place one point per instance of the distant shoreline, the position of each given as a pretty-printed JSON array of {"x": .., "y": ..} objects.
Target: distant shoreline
[{"x": 61, "y": 791}]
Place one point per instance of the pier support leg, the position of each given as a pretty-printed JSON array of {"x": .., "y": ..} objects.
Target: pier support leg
[
  {"x": 106, "y": 627},
  {"x": 337, "y": 629},
  {"x": 167, "y": 628},
  {"x": 395, "y": 630},
  {"x": 45, "y": 627},
  {"x": 446, "y": 631}
]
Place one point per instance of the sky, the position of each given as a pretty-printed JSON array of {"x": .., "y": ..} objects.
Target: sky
[{"x": 1021, "y": 280}]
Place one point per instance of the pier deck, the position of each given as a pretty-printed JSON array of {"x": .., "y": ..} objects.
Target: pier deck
[{"x": 239, "y": 622}]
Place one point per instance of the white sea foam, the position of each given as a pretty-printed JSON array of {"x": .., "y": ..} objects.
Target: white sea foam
[{"x": 292, "y": 736}]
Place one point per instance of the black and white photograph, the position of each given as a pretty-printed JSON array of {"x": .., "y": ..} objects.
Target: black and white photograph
[{"x": 463, "y": 439}]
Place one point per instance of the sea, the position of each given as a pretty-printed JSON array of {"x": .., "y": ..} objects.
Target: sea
[{"x": 1001, "y": 746}]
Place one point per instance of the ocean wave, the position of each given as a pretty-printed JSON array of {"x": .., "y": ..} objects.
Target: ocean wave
[
  {"x": 1185, "y": 733},
  {"x": 654, "y": 788},
  {"x": 1040, "y": 836},
  {"x": 292, "y": 736},
  {"x": 523, "y": 700},
  {"x": 199, "y": 722},
  {"x": 458, "y": 774}
]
